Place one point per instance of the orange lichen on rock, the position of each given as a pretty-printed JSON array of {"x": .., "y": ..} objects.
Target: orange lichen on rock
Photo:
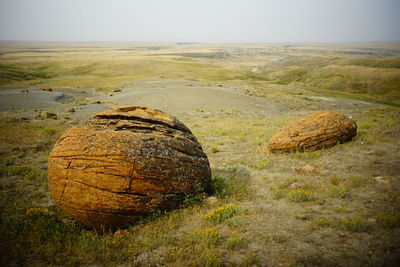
[
  {"x": 126, "y": 163},
  {"x": 312, "y": 132}
]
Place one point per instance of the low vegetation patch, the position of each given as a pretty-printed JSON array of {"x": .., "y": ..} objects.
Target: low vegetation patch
[
  {"x": 236, "y": 242},
  {"x": 278, "y": 194},
  {"x": 210, "y": 259},
  {"x": 222, "y": 213},
  {"x": 294, "y": 195},
  {"x": 299, "y": 195},
  {"x": 321, "y": 222},
  {"x": 207, "y": 236},
  {"x": 387, "y": 221},
  {"x": 337, "y": 192},
  {"x": 261, "y": 164},
  {"x": 354, "y": 224},
  {"x": 231, "y": 182},
  {"x": 214, "y": 149}
]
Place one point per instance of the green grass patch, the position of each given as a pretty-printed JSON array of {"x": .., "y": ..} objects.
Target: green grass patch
[
  {"x": 337, "y": 192},
  {"x": 278, "y": 194},
  {"x": 236, "y": 242},
  {"x": 231, "y": 182},
  {"x": 321, "y": 222},
  {"x": 356, "y": 180},
  {"x": 354, "y": 224},
  {"x": 387, "y": 221},
  {"x": 299, "y": 195},
  {"x": 206, "y": 237},
  {"x": 222, "y": 213},
  {"x": 210, "y": 259},
  {"x": 308, "y": 155},
  {"x": 214, "y": 149},
  {"x": 18, "y": 169},
  {"x": 11, "y": 73},
  {"x": 261, "y": 164}
]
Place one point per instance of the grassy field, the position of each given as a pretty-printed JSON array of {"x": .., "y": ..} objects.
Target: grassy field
[
  {"x": 333, "y": 207},
  {"x": 105, "y": 67}
]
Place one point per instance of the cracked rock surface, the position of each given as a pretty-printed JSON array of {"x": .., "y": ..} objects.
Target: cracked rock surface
[
  {"x": 126, "y": 163},
  {"x": 312, "y": 132}
]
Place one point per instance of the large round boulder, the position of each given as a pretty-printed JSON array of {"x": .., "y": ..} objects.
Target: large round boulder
[
  {"x": 312, "y": 132},
  {"x": 126, "y": 163}
]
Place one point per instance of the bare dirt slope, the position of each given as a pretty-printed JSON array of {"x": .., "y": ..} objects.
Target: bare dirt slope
[{"x": 179, "y": 97}]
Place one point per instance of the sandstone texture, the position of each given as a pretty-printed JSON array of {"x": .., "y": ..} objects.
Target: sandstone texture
[
  {"x": 312, "y": 132},
  {"x": 126, "y": 163}
]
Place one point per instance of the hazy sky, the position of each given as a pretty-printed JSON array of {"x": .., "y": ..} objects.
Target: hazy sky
[{"x": 201, "y": 20}]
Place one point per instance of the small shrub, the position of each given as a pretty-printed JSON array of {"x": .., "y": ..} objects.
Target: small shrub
[
  {"x": 299, "y": 195},
  {"x": 334, "y": 180},
  {"x": 354, "y": 224},
  {"x": 222, "y": 213},
  {"x": 219, "y": 132},
  {"x": 235, "y": 241},
  {"x": 261, "y": 164},
  {"x": 258, "y": 142},
  {"x": 214, "y": 149},
  {"x": 207, "y": 236},
  {"x": 210, "y": 259},
  {"x": 321, "y": 222},
  {"x": 278, "y": 194},
  {"x": 387, "y": 221},
  {"x": 50, "y": 131},
  {"x": 218, "y": 186},
  {"x": 337, "y": 191},
  {"x": 194, "y": 199},
  {"x": 356, "y": 180}
]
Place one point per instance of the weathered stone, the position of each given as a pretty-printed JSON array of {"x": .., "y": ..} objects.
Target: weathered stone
[
  {"x": 315, "y": 131},
  {"x": 70, "y": 110},
  {"x": 51, "y": 115},
  {"x": 127, "y": 162},
  {"x": 296, "y": 185},
  {"x": 212, "y": 200},
  {"x": 120, "y": 233}
]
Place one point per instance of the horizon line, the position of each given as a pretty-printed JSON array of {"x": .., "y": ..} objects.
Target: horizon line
[{"x": 195, "y": 42}]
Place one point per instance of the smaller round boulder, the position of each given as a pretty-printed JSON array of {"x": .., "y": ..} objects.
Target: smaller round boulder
[{"x": 312, "y": 132}]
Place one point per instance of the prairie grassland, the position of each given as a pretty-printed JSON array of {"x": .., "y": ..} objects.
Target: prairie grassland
[
  {"x": 111, "y": 66},
  {"x": 266, "y": 209}
]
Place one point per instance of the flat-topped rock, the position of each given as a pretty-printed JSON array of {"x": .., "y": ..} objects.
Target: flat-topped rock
[
  {"x": 312, "y": 132},
  {"x": 126, "y": 163}
]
